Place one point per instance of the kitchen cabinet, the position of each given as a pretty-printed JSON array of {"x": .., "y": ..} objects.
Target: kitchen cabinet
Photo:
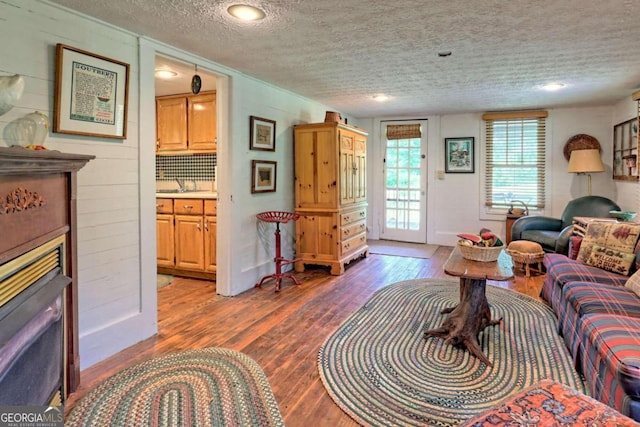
[
  {"x": 186, "y": 123},
  {"x": 171, "y": 123},
  {"x": 210, "y": 235},
  {"x": 187, "y": 237},
  {"x": 189, "y": 233},
  {"x": 330, "y": 195},
  {"x": 165, "y": 232}
]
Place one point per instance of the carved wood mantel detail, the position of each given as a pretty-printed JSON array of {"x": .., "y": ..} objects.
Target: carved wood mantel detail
[{"x": 19, "y": 200}]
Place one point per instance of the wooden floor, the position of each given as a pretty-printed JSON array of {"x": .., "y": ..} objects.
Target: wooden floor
[{"x": 282, "y": 332}]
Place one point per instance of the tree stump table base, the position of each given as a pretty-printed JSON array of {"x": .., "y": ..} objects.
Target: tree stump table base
[
  {"x": 467, "y": 319},
  {"x": 472, "y": 315}
]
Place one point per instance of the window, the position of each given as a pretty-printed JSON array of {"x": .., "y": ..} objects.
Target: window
[{"x": 515, "y": 159}]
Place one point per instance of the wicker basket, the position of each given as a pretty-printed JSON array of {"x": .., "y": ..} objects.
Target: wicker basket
[
  {"x": 480, "y": 253},
  {"x": 333, "y": 116}
]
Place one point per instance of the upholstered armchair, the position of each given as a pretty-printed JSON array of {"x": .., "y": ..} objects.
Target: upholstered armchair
[{"x": 553, "y": 233}]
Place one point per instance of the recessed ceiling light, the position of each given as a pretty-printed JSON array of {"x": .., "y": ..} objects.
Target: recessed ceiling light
[
  {"x": 246, "y": 12},
  {"x": 380, "y": 97},
  {"x": 553, "y": 86},
  {"x": 165, "y": 74}
]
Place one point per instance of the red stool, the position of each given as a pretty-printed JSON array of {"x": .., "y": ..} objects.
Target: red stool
[{"x": 278, "y": 217}]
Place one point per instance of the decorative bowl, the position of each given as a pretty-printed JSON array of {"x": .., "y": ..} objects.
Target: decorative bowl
[{"x": 623, "y": 215}]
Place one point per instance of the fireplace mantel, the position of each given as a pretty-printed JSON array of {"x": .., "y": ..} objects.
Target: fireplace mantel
[
  {"x": 38, "y": 204},
  {"x": 17, "y": 160}
]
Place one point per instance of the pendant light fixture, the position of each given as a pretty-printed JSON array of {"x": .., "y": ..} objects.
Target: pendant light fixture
[{"x": 196, "y": 82}]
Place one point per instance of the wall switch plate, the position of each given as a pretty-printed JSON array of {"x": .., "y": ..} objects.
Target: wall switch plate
[{"x": 440, "y": 174}]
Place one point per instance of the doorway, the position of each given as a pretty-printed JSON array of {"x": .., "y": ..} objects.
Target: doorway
[
  {"x": 186, "y": 243},
  {"x": 404, "y": 172}
]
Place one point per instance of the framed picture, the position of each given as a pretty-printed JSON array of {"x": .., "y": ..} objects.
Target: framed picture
[
  {"x": 263, "y": 176},
  {"x": 459, "y": 155},
  {"x": 91, "y": 94},
  {"x": 263, "y": 134},
  {"x": 625, "y": 150}
]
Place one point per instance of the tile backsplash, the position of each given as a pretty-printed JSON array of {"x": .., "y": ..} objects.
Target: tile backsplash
[{"x": 199, "y": 167}]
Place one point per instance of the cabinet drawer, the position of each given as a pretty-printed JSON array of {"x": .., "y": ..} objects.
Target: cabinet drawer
[
  {"x": 164, "y": 206},
  {"x": 188, "y": 206},
  {"x": 354, "y": 243},
  {"x": 211, "y": 207},
  {"x": 353, "y": 216},
  {"x": 353, "y": 229}
]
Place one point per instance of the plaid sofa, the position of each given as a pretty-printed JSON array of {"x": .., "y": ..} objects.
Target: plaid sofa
[{"x": 599, "y": 320}]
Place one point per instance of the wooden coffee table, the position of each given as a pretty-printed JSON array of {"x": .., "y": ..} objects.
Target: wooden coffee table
[{"x": 472, "y": 314}]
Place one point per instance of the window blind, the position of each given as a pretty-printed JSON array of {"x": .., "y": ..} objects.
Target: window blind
[
  {"x": 403, "y": 131},
  {"x": 515, "y": 158}
]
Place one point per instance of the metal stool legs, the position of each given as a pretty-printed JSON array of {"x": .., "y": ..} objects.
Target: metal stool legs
[{"x": 278, "y": 217}]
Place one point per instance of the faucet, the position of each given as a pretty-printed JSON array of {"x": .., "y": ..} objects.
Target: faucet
[{"x": 182, "y": 188}]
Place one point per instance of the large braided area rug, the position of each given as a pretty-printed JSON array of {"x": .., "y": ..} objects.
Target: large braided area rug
[
  {"x": 209, "y": 387},
  {"x": 380, "y": 370}
]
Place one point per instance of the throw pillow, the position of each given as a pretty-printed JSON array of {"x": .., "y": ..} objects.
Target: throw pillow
[
  {"x": 611, "y": 259},
  {"x": 611, "y": 235},
  {"x": 634, "y": 283},
  {"x": 574, "y": 246}
]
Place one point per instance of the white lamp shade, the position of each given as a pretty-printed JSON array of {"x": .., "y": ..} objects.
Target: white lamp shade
[{"x": 585, "y": 161}]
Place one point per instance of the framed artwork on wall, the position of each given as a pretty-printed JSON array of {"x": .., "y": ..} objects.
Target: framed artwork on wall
[
  {"x": 263, "y": 176},
  {"x": 625, "y": 150},
  {"x": 262, "y": 134},
  {"x": 91, "y": 94},
  {"x": 459, "y": 155}
]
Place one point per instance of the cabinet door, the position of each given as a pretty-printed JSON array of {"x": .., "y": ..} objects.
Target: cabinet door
[
  {"x": 360, "y": 177},
  {"x": 317, "y": 236},
  {"x": 316, "y": 168},
  {"x": 171, "y": 122},
  {"x": 210, "y": 235},
  {"x": 202, "y": 122},
  {"x": 189, "y": 243},
  {"x": 347, "y": 167},
  {"x": 164, "y": 235}
]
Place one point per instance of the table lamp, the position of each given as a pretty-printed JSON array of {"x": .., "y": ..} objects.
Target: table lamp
[{"x": 587, "y": 162}]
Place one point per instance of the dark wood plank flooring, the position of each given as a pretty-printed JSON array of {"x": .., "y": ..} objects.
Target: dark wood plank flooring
[{"x": 282, "y": 332}]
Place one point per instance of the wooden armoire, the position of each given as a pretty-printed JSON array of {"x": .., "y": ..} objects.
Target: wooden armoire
[{"x": 330, "y": 195}]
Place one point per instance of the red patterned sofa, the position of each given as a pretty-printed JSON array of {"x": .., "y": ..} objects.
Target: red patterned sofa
[{"x": 599, "y": 312}]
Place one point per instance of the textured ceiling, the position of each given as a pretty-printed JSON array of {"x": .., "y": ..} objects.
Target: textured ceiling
[
  {"x": 182, "y": 82},
  {"x": 341, "y": 53}
]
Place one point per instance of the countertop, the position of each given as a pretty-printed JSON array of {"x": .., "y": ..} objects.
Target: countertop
[{"x": 204, "y": 194}]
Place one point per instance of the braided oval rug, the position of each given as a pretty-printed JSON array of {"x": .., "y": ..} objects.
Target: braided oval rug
[
  {"x": 208, "y": 387},
  {"x": 380, "y": 370}
]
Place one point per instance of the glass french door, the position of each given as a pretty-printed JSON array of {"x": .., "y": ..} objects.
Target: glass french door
[{"x": 405, "y": 172}]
